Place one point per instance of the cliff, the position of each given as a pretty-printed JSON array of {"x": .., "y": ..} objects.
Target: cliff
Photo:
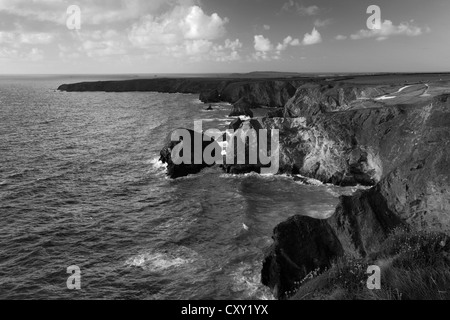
[
  {"x": 272, "y": 93},
  {"x": 402, "y": 150}
]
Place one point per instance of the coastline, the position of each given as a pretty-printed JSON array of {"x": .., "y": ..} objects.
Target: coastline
[{"x": 339, "y": 131}]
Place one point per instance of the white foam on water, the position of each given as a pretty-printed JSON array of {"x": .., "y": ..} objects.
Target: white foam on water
[
  {"x": 251, "y": 174},
  {"x": 215, "y": 119},
  {"x": 157, "y": 164},
  {"x": 246, "y": 279},
  {"x": 161, "y": 261},
  {"x": 309, "y": 181}
]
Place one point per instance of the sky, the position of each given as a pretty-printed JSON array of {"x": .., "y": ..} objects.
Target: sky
[{"x": 217, "y": 36}]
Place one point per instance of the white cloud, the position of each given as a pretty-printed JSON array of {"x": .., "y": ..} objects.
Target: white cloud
[
  {"x": 266, "y": 51},
  {"x": 188, "y": 25},
  {"x": 196, "y": 25},
  {"x": 388, "y": 29},
  {"x": 312, "y": 38},
  {"x": 262, "y": 44},
  {"x": 93, "y": 11},
  {"x": 318, "y": 23},
  {"x": 17, "y": 38},
  {"x": 288, "y": 41},
  {"x": 341, "y": 37},
  {"x": 33, "y": 55},
  {"x": 227, "y": 52},
  {"x": 185, "y": 32},
  {"x": 266, "y": 27},
  {"x": 300, "y": 9}
]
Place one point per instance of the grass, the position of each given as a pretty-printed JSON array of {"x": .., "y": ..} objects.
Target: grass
[{"x": 414, "y": 266}]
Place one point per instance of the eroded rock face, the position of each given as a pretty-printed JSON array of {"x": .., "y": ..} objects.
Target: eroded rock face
[
  {"x": 242, "y": 108},
  {"x": 212, "y": 96},
  {"x": 324, "y": 151},
  {"x": 301, "y": 245},
  {"x": 363, "y": 221},
  {"x": 405, "y": 150},
  {"x": 235, "y": 124},
  {"x": 259, "y": 92},
  {"x": 247, "y": 134},
  {"x": 175, "y": 170},
  {"x": 273, "y": 94},
  {"x": 277, "y": 113},
  {"x": 313, "y": 99}
]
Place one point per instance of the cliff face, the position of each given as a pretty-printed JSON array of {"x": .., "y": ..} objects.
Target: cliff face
[
  {"x": 312, "y": 99},
  {"x": 301, "y": 245},
  {"x": 403, "y": 150},
  {"x": 259, "y": 92},
  {"x": 178, "y": 169}
]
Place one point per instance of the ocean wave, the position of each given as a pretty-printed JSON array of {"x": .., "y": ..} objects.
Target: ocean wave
[
  {"x": 156, "y": 164},
  {"x": 308, "y": 181},
  {"x": 216, "y": 119},
  {"x": 267, "y": 176},
  {"x": 246, "y": 279},
  {"x": 161, "y": 261}
]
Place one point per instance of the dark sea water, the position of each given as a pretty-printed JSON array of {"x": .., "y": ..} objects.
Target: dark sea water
[{"x": 80, "y": 184}]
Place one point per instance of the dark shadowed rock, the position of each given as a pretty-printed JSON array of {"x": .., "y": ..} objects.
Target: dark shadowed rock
[
  {"x": 235, "y": 124},
  {"x": 278, "y": 113},
  {"x": 242, "y": 108},
  {"x": 212, "y": 96},
  {"x": 247, "y": 134},
  {"x": 404, "y": 150},
  {"x": 301, "y": 245},
  {"x": 363, "y": 222},
  {"x": 259, "y": 92},
  {"x": 264, "y": 93},
  {"x": 181, "y": 170}
]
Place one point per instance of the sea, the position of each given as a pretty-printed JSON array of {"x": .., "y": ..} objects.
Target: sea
[{"x": 81, "y": 185}]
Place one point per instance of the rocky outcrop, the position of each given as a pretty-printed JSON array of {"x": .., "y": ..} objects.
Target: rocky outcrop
[
  {"x": 212, "y": 96},
  {"x": 325, "y": 151},
  {"x": 235, "y": 124},
  {"x": 178, "y": 169},
  {"x": 247, "y": 134},
  {"x": 404, "y": 149},
  {"x": 312, "y": 99},
  {"x": 301, "y": 245},
  {"x": 407, "y": 149},
  {"x": 272, "y": 93},
  {"x": 242, "y": 108},
  {"x": 278, "y": 113}
]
